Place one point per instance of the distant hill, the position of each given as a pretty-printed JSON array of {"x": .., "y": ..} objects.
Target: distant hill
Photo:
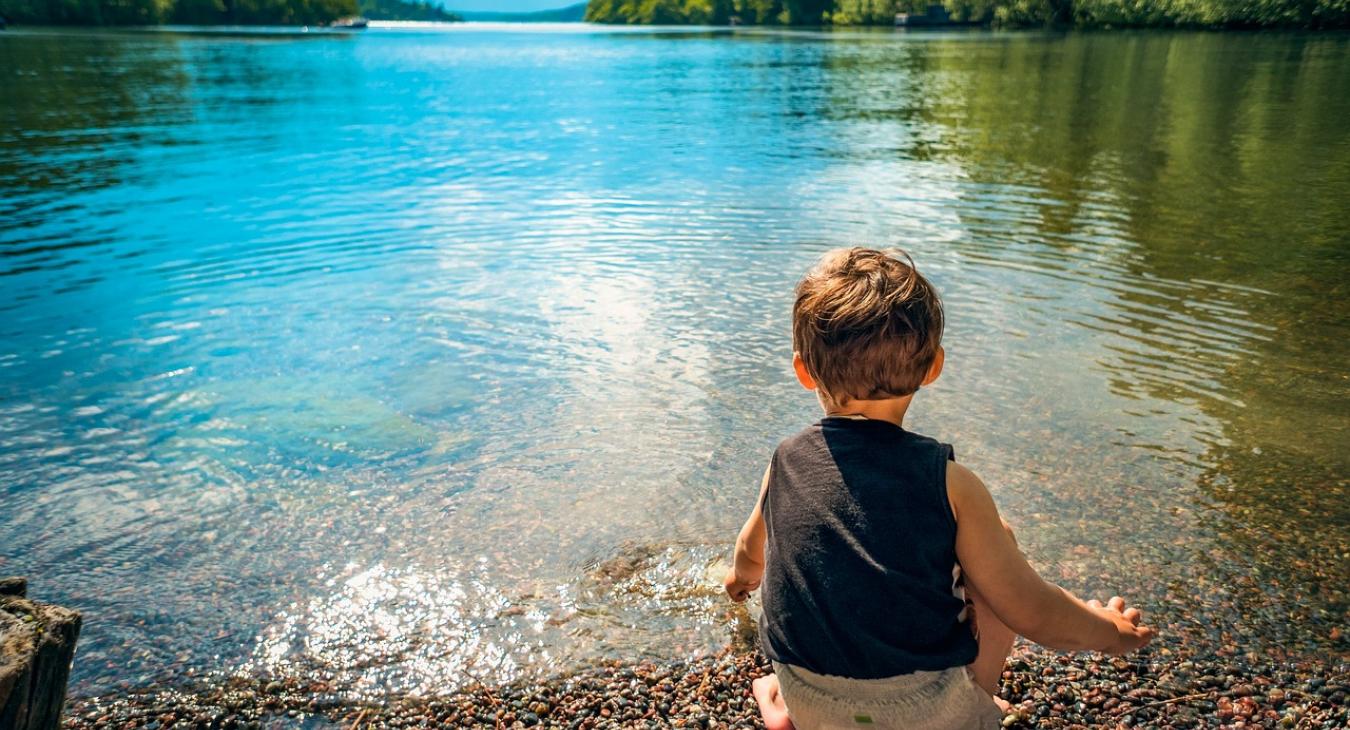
[
  {"x": 406, "y": 10},
  {"x": 570, "y": 14}
]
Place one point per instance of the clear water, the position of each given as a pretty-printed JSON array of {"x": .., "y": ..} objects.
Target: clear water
[{"x": 429, "y": 355}]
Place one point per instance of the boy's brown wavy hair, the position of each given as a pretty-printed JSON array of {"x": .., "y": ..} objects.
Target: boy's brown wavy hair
[{"x": 866, "y": 324}]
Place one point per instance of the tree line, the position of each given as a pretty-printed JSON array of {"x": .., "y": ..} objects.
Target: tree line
[
  {"x": 1088, "y": 13},
  {"x": 214, "y": 12},
  {"x": 407, "y": 10}
]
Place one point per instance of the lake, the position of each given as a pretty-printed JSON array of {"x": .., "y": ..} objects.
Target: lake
[{"x": 428, "y": 355}]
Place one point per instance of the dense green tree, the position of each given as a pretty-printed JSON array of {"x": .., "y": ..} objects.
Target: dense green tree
[
  {"x": 198, "y": 12},
  {"x": 659, "y": 12},
  {"x": 759, "y": 12},
  {"x": 1190, "y": 13},
  {"x": 150, "y": 12},
  {"x": 406, "y": 10}
]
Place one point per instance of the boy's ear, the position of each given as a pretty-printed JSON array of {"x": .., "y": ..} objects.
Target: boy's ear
[
  {"x": 803, "y": 377},
  {"x": 935, "y": 369}
]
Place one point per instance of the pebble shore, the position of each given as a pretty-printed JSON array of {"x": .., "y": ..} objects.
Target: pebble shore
[{"x": 1160, "y": 687}]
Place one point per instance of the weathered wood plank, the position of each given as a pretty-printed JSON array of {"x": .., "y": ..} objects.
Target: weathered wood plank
[{"x": 37, "y": 645}]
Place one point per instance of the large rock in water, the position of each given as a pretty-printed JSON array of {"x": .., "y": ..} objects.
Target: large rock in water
[{"x": 37, "y": 644}]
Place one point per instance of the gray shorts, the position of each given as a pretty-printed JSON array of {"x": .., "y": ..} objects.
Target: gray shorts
[{"x": 945, "y": 700}]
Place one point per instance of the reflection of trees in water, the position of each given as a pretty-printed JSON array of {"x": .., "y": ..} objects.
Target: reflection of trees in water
[
  {"x": 1254, "y": 190},
  {"x": 890, "y": 89},
  {"x": 1204, "y": 178},
  {"x": 76, "y": 109},
  {"x": 77, "y": 105},
  {"x": 112, "y": 113}
]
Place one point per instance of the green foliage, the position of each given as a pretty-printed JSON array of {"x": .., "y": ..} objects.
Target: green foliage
[
  {"x": 94, "y": 12},
  {"x": 699, "y": 12},
  {"x": 659, "y": 12},
  {"x": 198, "y": 12},
  {"x": 574, "y": 13},
  {"x": 872, "y": 12},
  {"x": 151, "y": 12},
  {"x": 1089, "y": 13},
  {"x": 406, "y": 10}
]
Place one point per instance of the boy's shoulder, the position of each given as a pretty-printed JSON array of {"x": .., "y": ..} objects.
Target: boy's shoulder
[
  {"x": 810, "y": 433},
  {"x": 820, "y": 433}
]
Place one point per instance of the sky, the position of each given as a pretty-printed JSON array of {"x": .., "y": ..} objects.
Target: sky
[{"x": 507, "y": 6}]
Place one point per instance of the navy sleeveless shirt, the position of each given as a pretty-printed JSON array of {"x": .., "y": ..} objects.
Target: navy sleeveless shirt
[{"x": 860, "y": 576}]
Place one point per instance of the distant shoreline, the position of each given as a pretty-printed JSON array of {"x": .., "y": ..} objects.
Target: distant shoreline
[
  {"x": 1053, "y": 27},
  {"x": 1011, "y": 14},
  {"x": 223, "y": 13},
  {"x": 574, "y": 13},
  {"x": 376, "y": 24}
]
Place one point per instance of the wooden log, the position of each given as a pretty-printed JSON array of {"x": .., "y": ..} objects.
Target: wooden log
[{"x": 37, "y": 645}]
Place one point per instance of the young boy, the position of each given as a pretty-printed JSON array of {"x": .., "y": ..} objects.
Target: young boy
[{"x": 892, "y": 589}]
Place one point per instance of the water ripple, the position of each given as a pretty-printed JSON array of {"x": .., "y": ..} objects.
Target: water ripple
[{"x": 430, "y": 356}]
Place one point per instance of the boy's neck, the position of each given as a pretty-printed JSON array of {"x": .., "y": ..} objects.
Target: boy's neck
[{"x": 891, "y": 410}]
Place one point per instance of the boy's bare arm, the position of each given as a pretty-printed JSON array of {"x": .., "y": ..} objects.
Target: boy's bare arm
[
  {"x": 747, "y": 568},
  {"x": 1034, "y": 608}
]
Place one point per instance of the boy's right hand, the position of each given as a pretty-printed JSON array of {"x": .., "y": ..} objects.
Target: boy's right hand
[
  {"x": 1129, "y": 634},
  {"x": 738, "y": 588}
]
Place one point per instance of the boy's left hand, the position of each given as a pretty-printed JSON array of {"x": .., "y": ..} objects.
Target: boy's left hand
[{"x": 738, "y": 588}]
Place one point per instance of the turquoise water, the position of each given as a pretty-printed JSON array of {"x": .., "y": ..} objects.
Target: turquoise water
[{"x": 425, "y": 356}]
